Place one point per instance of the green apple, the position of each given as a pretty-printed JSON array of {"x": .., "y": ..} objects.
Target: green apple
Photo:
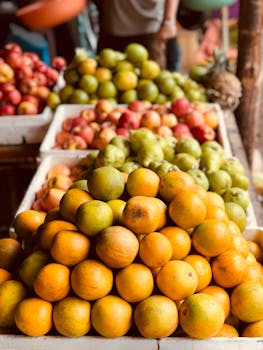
[
  {"x": 185, "y": 161},
  {"x": 210, "y": 161},
  {"x": 237, "y": 214},
  {"x": 219, "y": 181},
  {"x": 199, "y": 177},
  {"x": 237, "y": 195},
  {"x": 188, "y": 145}
]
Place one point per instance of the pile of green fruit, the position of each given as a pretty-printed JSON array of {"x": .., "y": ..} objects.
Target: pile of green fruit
[
  {"x": 206, "y": 163},
  {"x": 123, "y": 77}
]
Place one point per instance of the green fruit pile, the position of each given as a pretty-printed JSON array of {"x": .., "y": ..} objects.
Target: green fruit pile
[
  {"x": 123, "y": 77},
  {"x": 206, "y": 163}
]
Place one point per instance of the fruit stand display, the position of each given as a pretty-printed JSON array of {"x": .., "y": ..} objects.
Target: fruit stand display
[{"x": 126, "y": 200}]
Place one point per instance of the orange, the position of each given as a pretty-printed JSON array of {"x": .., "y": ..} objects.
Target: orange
[
  {"x": 256, "y": 250},
  {"x": 30, "y": 266},
  {"x": 129, "y": 282},
  {"x": 143, "y": 214},
  {"x": 71, "y": 317},
  {"x": 180, "y": 240},
  {"x": 185, "y": 276},
  {"x": 240, "y": 244},
  {"x": 221, "y": 295},
  {"x": 5, "y": 275},
  {"x": 211, "y": 237},
  {"x": 10, "y": 252},
  {"x": 27, "y": 222},
  {"x": 162, "y": 213},
  {"x": 117, "y": 246},
  {"x": 201, "y": 316},
  {"x": 187, "y": 208},
  {"x": 103, "y": 74},
  {"x": 33, "y": 317},
  {"x": 50, "y": 229},
  {"x": 247, "y": 301},
  {"x": 69, "y": 247},
  {"x": 229, "y": 268},
  {"x": 71, "y": 201},
  {"x": 213, "y": 199},
  {"x": 143, "y": 182},
  {"x": 155, "y": 249},
  {"x": 52, "y": 214},
  {"x": 254, "y": 329},
  {"x": 111, "y": 316},
  {"x": 91, "y": 280},
  {"x": 215, "y": 212},
  {"x": 227, "y": 331},
  {"x": 156, "y": 316},
  {"x": 52, "y": 282},
  {"x": 253, "y": 272},
  {"x": 202, "y": 269},
  {"x": 117, "y": 206},
  {"x": 11, "y": 293},
  {"x": 173, "y": 182},
  {"x": 233, "y": 228}
]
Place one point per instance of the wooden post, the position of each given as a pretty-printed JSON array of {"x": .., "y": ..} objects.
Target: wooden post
[{"x": 248, "y": 71}]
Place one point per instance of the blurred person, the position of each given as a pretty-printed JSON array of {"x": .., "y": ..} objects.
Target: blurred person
[{"x": 147, "y": 22}]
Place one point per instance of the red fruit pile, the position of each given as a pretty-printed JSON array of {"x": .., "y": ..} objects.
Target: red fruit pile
[
  {"x": 95, "y": 127},
  {"x": 25, "y": 81}
]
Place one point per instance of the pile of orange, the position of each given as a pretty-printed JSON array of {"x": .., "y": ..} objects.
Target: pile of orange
[{"x": 158, "y": 254}]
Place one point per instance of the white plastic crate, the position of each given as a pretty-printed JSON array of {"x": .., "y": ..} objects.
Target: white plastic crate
[
  {"x": 19, "y": 129},
  {"x": 69, "y": 110}
]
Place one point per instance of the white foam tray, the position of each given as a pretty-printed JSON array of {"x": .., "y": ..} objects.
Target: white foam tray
[
  {"x": 20, "y": 342},
  {"x": 69, "y": 110},
  {"x": 19, "y": 129}
]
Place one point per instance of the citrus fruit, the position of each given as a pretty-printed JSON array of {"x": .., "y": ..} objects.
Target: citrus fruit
[
  {"x": 108, "y": 58},
  {"x": 136, "y": 53},
  {"x": 125, "y": 80},
  {"x": 117, "y": 246},
  {"x": 254, "y": 329},
  {"x": 52, "y": 282},
  {"x": 202, "y": 269},
  {"x": 187, "y": 209},
  {"x": 201, "y": 316},
  {"x": 229, "y": 268},
  {"x": 106, "y": 183},
  {"x": 221, "y": 295},
  {"x": 142, "y": 214},
  {"x": 143, "y": 182},
  {"x": 129, "y": 282},
  {"x": 79, "y": 96},
  {"x": 247, "y": 301},
  {"x": 33, "y": 317},
  {"x": 30, "y": 266},
  {"x": 111, "y": 316},
  {"x": 50, "y": 229},
  {"x": 227, "y": 331},
  {"x": 180, "y": 240},
  {"x": 11, "y": 293},
  {"x": 256, "y": 250},
  {"x": 103, "y": 74},
  {"x": 185, "y": 276},
  {"x": 156, "y": 316},
  {"x": 107, "y": 89},
  {"x": 71, "y": 317},
  {"x": 129, "y": 96},
  {"x": 27, "y": 222},
  {"x": 69, "y": 247},
  {"x": 117, "y": 206},
  {"x": 91, "y": 280},
  {"x": 211, "y": 237},
  {"x": 87, "y": 66},
  {"x": 148, "y": 91},
  {"x": 155, "y": 249},
  {"x": 71, "y": 201},
  {"x": 93, "y": 217},
  {"x": 10, "y": 252},
  {"x": 124, "y": 65},
  {"x": 5, "y": 275},
  {"x": 149, "y": 69},
  {"x": 89, "y": 83},
  {"x": 240, "y": 244}
]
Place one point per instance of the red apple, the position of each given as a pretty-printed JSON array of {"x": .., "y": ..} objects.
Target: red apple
[
  {"x": 95, "y": 126},
  {"x": 38, "y": 205},
  {"x": 27, "y": 61},
  {"x": 41, "y": 67},
  {"x": 67, "y": 123},
  {"x": 7, "y": 109},
  {"x": 14, "y": 59},
  {"x": 103, "y": 106},
  {"x": 33, "y": 56},
  {"x": 52, "y": 198},
  {"x": 58, "y": 63},
  {"x": 86, "y": 132},
  {"x": 103, "y": 137},
  {"x": 161, "y": 109},
  {"x": 52, "y": 76},
  {"x": 101, "y": 117},
  {"x": 13, "y": 47},
  {"x": 181, "y": 130},
  {"x": 181, "y": 106},
  {"x": 114, "y": 116},
  {"x": 40, "y": 78},
  {"x": 61, "y": 182},
  {"x": 168, "y": 119},
  {"x": 163, "y": 130},
  {"x": 23, "y": 72},
  {"x": 79, "y": 121},
  {"x": 194, "y": 118},
  {"x": 203, "y": 133},
  {"x": 1, "y": 95},
  {"x": 137, "y": 106},
  {"x": 6, "y": 73},
  {"x": 129, "y": 120},
  {"x": 59, "y": 169},
  {"x": 88, "y": 114},
  {"x": 26, "y": 108},
  {"x": 62, "y": 137},
  {"x": 14, "y": 97},
  {"x": 41, "y": 92},
  {"x": 26, "y": 85},
  {"x": 5, "y": 87},
  {"x": 75, "y": 142},
  {"x": 123, "y": 131},
  {"x": 150, "y": 120},
  {"x": 30, "y": 98}
]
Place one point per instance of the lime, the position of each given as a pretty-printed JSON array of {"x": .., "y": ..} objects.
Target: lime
[
  {"x": 136, "y": 53},
  {"x": 149, "y": 69},
  {"x": 129, "y": 96},
  {"x": 88, "y": 83},
  {"x": 107, "y": 90},
  {"x": 79, "y": 97},
  {"x": 148, "y": 91},
  {"x": 108, "y": 58}
]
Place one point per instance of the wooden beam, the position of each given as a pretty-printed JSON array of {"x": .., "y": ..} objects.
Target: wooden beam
[{"x": 248, "y": 71}]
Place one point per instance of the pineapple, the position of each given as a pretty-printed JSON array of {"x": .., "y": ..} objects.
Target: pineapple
[{"x": 222, "y": 86}]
